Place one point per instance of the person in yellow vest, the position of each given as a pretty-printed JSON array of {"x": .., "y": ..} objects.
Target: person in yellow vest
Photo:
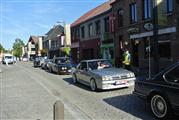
[{"x": 127, "y": 60}]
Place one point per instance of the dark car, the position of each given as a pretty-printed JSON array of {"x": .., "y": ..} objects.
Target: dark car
[
  {"x": 60, "y": 65},
  {"x": 161, "y": 91}
]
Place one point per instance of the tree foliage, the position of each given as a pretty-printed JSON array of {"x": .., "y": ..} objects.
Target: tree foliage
[
  {"x": 66, "y": 50},
  {"x": 17, "y": 47},
  {"x": 44, "y": 52},
  {"x": 1, "y": 48}
]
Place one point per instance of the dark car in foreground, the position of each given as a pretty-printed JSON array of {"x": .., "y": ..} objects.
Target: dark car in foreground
[
  {"x": 161, "y": 91},
  {"x": 60, "y": 65}
]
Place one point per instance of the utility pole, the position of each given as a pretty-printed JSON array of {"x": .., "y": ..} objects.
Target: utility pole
[{"x": 155, "y": 45}]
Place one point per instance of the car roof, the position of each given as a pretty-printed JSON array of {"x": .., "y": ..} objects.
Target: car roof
[{"x": 92, "y": 60}]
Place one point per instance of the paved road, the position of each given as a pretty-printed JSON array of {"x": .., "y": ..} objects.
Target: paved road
[{"x": 29, "y": 93}]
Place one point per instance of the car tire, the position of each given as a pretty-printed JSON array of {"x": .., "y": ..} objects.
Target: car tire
[
  {"x": 93, "y": 85},
  {"x": 75, "y": 81},
  {"x": 160, "y": 106}
]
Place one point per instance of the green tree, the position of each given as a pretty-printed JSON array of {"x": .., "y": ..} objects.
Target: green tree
[
  {"x": 17, "y": 47},
  {"x": 66, "y": 50},
  {"x": 1, "y": 48}
]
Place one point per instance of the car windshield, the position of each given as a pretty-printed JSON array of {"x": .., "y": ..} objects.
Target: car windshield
[
  {"x": 99, "y": 64},
  {"x": 8, "y": 57},
  {"x": 63, "y": 61}
]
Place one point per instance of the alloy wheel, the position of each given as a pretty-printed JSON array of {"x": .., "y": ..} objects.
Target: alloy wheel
[
  {"x": 93, "y": 85},
  {"x": 159, "y": 106}
]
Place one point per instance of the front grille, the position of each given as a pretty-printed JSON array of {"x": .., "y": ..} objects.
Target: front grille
[
  {"x": 123, "y": 76},
  {"x": 116, "y": 78}
]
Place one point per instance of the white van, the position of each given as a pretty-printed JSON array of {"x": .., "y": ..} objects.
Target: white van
[{"x": 8, "y": 59}]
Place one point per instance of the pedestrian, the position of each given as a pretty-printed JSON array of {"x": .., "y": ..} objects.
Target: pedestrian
[{"x": 127, "y": 60}]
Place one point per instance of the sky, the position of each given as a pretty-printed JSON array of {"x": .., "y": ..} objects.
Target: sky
[{"x": 22, "y": 18}]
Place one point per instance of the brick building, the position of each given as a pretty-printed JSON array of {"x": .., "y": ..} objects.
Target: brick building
[
  {"x": 134, "y": 31},
  {"x": 92, "y": 36}
]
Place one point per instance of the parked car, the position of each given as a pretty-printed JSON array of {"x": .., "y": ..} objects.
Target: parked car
[
  {"x": 38, "y": 61},
  {"x": 25, "y": 59},
  {"x": 45, "y": 63},
  {"x": 161, "y": 91},
  {"x": 60, "y": 65},
  {"x": 99, "y": 74},
  {"x": 8, "y": 59}
]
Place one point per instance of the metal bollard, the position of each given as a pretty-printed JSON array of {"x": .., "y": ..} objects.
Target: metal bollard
[{"x": 58, "y": 110}]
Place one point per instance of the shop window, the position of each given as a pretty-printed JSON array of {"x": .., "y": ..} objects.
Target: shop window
[
  {"x": 165, "y": 50},
  {"x": 108, "y": 53}
]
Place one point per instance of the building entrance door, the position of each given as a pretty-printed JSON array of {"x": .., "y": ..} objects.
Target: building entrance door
[{"x": 135, "y": 53}]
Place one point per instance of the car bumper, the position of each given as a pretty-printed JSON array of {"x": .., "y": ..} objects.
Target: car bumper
[
  {"x": 112, "y": 84},
  {"x": 65, "y": 72}
]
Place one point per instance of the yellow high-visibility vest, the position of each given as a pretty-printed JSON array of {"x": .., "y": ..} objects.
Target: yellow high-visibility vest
[{"x": 126, "y": 60}]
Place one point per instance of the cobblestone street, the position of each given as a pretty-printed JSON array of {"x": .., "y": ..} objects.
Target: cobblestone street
[{"x": 29, "y": 93}]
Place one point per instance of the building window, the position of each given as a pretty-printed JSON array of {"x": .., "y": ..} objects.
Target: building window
[
  {"x": 106, "y": 24},
  {"x": 147, "y": 9},
  {"x": 83, "y": 32},
  {"x": 32, "y": 49},
  {"x": 77, "y": 34},
  {"x": 120, "y": 17},
  {"x": 53, "y": 44},
  {"x": 98, "y": 27},
  {"x": 133, "y": 12},
  {"x": 169, "y": 6},
  {"x": 90, "y": 29},
  {"x": 165, "y": 49}
]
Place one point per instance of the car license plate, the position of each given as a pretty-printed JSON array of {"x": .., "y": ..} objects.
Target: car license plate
[{"x": 121, "y": 82}]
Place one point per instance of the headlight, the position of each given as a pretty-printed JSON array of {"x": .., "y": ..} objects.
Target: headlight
[
  {"x": 64, "y": 68},
  {"x": 105, "y": 78},
  {"x": 130, "y": 75}
]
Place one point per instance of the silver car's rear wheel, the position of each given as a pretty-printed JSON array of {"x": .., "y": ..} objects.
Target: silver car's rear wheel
[
  {"x": 93, "y": 85},
  {"x": 159, "y": 106}
]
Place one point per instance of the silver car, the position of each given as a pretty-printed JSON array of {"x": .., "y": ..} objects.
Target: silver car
[{"x": 99, "y": 74}]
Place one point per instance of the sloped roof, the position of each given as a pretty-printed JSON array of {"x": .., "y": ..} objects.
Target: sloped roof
[
  {"x": 56, "y": 30},
  {"x": 94, "y": 12},
  {"x": 33, "y": 39}
]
